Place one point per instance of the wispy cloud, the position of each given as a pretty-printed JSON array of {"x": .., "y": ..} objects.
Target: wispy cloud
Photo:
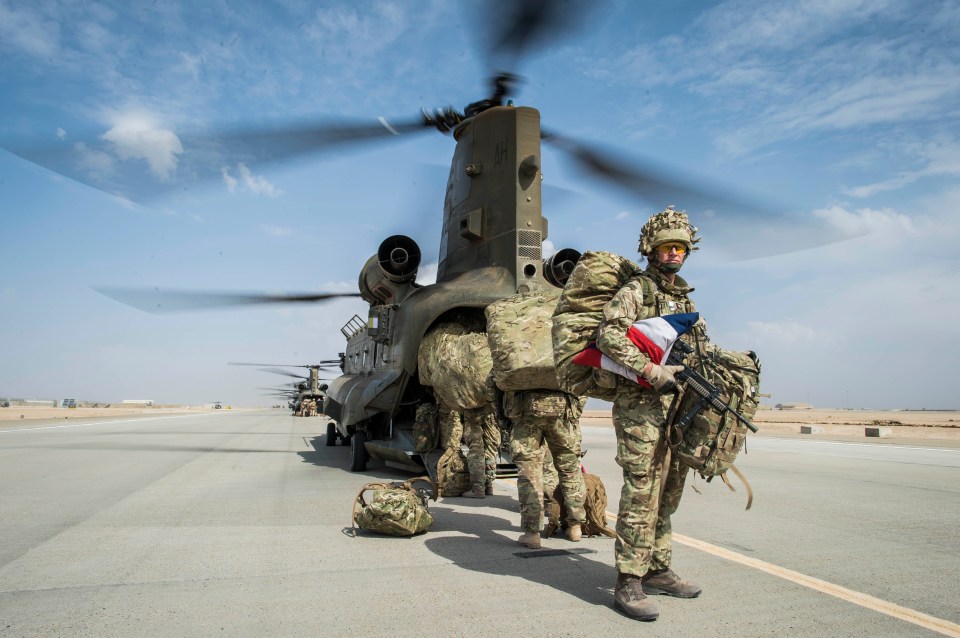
[
  {"x": 26, "y": 30},
  {"x": 256, "y": 184},
  {"x": 782, "y": 71},
  {"x": 348, "y": 34},
  {"x": 865, "y": 221},
  {"x": 938, "y": 158}
]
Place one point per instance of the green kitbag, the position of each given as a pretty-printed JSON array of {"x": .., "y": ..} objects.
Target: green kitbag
[
  {"x": 394, "y": 509},
  {"x": 521, "y": 345},
  {"x": 713, "y": 439},
  {"x": 596, "y": 278},
  {"x": 453, "y": 475}
]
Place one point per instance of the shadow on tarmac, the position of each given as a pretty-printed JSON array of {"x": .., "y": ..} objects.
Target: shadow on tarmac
[
  {"x": 567, "y": 567},
  {"x": 489, "y": 544}
]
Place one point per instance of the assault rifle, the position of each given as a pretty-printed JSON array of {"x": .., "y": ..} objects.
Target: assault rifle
[{"x": 694, "y": 381}]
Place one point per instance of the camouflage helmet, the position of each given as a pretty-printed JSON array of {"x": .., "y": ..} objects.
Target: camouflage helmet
[{"x": 668, "y": 225}]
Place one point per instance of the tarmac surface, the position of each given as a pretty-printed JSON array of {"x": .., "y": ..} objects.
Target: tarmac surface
[{"x": 234, "y": 523}]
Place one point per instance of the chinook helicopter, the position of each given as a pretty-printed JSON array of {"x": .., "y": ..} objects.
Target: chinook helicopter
[
  {"x": 308, "y": 387},
  {"x": 491, "y": 238}
]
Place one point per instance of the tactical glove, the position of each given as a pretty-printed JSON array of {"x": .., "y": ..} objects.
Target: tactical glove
[{"x": 661, "y": 377}]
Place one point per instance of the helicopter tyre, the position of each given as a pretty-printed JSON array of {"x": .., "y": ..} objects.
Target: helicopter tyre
[
  {"x": 358, "y": 458},
  {"x": 331, "y": 434}
]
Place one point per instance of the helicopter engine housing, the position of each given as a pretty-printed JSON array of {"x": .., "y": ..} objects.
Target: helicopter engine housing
[
  {"x": 390, "y": 275},
  {"x": 557, "y": 268}
]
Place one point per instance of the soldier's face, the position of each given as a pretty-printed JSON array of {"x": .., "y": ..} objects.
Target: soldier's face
[{"x": 671, "y": 253}]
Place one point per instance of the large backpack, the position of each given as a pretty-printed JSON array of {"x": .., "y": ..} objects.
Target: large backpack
[
  {"x": 395, "y": 509},
  {"x": 595, "y": 504},
  {"x": 594, "y": 281},
  {"x": 711, "y": 442},
  {"x": 521, "y": 346},
  {"x": 453, "y": 475}
]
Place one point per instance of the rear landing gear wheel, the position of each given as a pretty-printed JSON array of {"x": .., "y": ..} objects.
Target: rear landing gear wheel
[
  {"x": 358, "y": 458},
  {"x": 331, "y": 434}
]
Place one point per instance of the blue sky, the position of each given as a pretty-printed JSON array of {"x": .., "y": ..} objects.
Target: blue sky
[{"x": 843, "y": 113}]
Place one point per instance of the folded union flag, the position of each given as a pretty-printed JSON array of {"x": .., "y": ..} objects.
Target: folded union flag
[{"x": 654, "y": 337}]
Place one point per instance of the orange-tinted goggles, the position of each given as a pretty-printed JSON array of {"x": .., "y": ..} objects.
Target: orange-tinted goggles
[{"x": 680, "y": 247}]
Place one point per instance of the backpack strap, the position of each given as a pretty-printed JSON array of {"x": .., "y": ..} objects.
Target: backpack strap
[
  {"x": 359, "y": 503},
  {"x": 746, "y": 484},
  {"x": 649, "y": 289},
  {"x": 433, "y": 485}
]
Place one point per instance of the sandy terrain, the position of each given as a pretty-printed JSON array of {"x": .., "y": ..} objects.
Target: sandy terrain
[
  {"x": 842, "y": 423},
  {"x": 17, "y": 412}
]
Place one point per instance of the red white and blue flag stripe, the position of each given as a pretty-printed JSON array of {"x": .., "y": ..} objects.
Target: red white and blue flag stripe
[{"x": 654, "y": 337}]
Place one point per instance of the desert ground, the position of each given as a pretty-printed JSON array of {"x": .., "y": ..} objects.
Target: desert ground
[
  {"x": 834, "y": 423},
  {"x": 17, "y": 412},
  {"x": 843, "y": 424}
]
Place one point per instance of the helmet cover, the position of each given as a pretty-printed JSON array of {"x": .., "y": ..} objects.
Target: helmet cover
[{"x": 667, "y": 225}]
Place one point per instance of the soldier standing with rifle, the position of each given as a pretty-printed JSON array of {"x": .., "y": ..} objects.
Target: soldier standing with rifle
[{"x": 651, "y": 487}]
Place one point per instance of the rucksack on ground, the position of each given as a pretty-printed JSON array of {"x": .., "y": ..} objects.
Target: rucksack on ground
[
  {"x": 394, "y": 509},
  {"x": 453, "y": 475},
  {"x": 595, "y": 504}
]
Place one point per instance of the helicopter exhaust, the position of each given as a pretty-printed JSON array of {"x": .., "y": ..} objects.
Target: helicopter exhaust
[
  {"x": 399, "y": 257},
  {"x": 388, "y": 276},
  {"x": 557, "y": 268}
]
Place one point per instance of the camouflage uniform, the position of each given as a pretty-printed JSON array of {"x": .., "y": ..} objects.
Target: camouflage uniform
[
  {"x": 554, "y": 417},
  {"x": 482, "y": 434},
  {"x": 551, "y": 479},
  {"x": 451, "y": 426},
  {"x": 639, "y": 416}
]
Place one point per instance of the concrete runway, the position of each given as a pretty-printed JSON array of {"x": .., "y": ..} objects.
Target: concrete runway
[{"x": 232, "y": 523}]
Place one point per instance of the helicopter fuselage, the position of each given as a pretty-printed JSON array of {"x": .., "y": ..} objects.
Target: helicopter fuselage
[{"x": 490, "y": 248}]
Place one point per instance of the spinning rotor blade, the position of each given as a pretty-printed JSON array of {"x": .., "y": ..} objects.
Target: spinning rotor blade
[
  {"x": 516, "y": 27},
  {"x": 285, "y": 373},
  {"x": 326, "y": 363},
  {"x": 740, "y": 223},
  {"x": 107, "y": 162},
  {"x": 160, "y": 301}
]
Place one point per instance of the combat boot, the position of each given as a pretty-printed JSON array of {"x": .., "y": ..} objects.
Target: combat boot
[
  {"x": 530, "y": 539},
  {"x": 666, "y": 581},
  {"x": 474, "y": 492},
  {"x": 489, "y": 490},
  {"x": 574, "y": 533},
  {"x": 629, "y": 598}
]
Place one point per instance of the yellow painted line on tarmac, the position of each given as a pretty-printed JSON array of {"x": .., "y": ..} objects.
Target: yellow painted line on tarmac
[
  {"x": 921, "y": 619},
  {"x": 913, "y": 616}
]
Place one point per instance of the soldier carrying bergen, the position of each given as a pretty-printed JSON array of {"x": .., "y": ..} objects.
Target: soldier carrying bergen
[{"x": 651, "y": 492}]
